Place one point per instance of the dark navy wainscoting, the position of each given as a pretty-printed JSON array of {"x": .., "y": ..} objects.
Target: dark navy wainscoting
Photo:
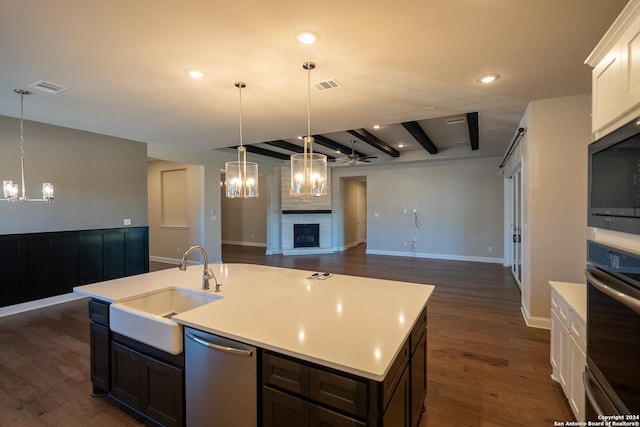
[{"x": 40, "y": 265}]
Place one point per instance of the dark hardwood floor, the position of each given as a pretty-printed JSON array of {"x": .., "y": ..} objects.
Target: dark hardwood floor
[{"x": 485, "y": 367}]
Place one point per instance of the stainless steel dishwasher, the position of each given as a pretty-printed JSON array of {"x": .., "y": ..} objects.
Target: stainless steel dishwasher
[{"x": 220, "y": 381}]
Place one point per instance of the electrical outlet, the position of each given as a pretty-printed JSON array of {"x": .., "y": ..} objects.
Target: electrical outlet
[
  {"x": 405, "y": 244},
  {"x": 127, "y": 221},
  {"x": 490, "y": 249}
]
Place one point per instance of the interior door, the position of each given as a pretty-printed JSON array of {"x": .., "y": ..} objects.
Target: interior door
[{"x": 516, "y": 225}]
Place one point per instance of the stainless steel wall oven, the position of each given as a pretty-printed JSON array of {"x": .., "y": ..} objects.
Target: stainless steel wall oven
[{"x": 612, "y": 377}]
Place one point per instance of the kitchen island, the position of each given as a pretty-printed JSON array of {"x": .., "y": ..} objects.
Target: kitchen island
[{"x": 349, "y": 350}]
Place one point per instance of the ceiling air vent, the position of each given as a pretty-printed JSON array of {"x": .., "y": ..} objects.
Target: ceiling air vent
[
  {"x": 461, "y": 140},
  {"x": 48, "y": 87},
  {"x": 326, "y": 84},
  {"x": 455, "y": 121}
]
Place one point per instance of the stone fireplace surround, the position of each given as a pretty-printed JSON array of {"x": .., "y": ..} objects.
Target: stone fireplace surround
[{"x": 304, "y": 210}]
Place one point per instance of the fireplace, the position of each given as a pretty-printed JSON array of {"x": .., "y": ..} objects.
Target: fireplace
[{"x": 306, "y": 235}]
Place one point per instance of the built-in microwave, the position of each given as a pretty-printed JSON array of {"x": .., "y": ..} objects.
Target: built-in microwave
[{"x": 614, "y": 180}]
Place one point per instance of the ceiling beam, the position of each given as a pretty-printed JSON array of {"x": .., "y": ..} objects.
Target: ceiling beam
[
  {"x": 275, "y": 154},
  {"x": 335, "y": 146},
  {"x": 375, "y": 142},
  {"x": 265, "y": 152},
  {"x": 474, "y": 134},
  {"x": 421, "y": 136},
  {"x": 285, "y": 145}
]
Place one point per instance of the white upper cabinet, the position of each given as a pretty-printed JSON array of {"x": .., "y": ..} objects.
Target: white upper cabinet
[{"x": 616, "y": 72}]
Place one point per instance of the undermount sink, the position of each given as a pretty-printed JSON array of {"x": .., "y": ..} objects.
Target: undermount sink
[{"x": 147, "y": 317}]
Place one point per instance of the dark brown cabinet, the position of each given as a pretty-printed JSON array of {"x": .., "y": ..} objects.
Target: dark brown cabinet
[
  {"x": 148, "y": 385},
  {"x": 418, "y": 369},
  {"x": 100, "y": 339},
  {"x": 146, "y": 379},
  {"x": 397, "y": 413},
  {"x": 299, "y": 393}
]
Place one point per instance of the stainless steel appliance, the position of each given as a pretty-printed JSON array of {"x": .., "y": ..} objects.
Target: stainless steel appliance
[
  {"x": 614, "y": 180},
  {"x": 220, "y": 381},
  {"x": 612, "y": 377}
]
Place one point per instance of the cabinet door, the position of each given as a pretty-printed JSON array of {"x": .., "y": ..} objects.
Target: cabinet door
[
  {"x": 283, "y": 410},
  {"x": 128, "y": 376},
  {"x": 164, "y": 399},
  {"x": 630, "y": 47},
  {"x": 397, "y": 413},
  {"x": 418, "y": 379},
  {"x": 100, "y": 363},
  {"x": 576, "y": 364},
  {"x": 607, "y": 88},
  {"x": 555, "y": 345}
]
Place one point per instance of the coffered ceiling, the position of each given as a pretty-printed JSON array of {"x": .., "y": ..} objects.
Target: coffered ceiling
[{"x": 125, "y": 66}]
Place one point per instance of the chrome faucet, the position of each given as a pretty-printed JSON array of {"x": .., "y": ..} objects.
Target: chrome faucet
[{"x": 206, "y": 274}]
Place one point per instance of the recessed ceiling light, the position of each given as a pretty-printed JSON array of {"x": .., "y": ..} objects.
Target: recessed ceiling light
[
  {"x": 377, "y": 126},
  {"x": 195, "y": 74},
  {"x": 306, "y": 37},
  {"x": 489, "y": 78},
  {"x": 401, "y": 145}
]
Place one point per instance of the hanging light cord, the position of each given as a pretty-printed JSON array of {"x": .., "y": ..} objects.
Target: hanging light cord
[
  {"x": 309, "y": 99},
  {"x": 240, "y": 85},
  {"x": 22, "y": 93}
]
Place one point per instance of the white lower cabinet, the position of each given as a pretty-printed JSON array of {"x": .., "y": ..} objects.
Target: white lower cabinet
[{"x": 568, "y": 344}]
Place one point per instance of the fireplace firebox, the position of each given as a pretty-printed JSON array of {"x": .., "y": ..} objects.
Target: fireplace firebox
[{"x": 306, "y": 235}]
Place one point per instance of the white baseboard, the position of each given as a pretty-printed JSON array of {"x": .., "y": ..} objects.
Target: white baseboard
[
  {"x": 239, "y": 243},
  {"x": 175, "y": 261},
  {"x": 308, "y": 251},
  {"x": 535, "y": 322},
  {"x": 436, "y": 256},
  {"x": 41, "y": 303}
]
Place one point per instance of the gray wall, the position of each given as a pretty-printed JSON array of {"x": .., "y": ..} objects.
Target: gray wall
[
  {"x": 459, "y": 206},
  {"x": 168, "y": 243},
  {"x": 244, "y": 221},
  {"x": 99, "y": 180}
]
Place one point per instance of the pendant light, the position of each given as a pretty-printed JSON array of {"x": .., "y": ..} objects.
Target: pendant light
[
  {"x": 11, "y": 191},
  {"x": 241, "y": 177},
  {"x": 308, "y": 169}
]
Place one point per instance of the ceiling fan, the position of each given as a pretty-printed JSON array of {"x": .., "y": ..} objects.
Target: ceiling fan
[{"x": 353, "y": 158}]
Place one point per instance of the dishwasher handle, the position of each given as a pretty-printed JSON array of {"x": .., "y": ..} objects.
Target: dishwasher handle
[{"x": 217, "y": 347}]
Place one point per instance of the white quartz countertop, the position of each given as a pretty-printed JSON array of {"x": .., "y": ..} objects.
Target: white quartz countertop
[
  {"x": 575, "y": 294},
  {"x": 353, "y": 324}
]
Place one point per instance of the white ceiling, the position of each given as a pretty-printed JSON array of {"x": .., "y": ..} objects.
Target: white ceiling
[{"x": 125, "y": 65}]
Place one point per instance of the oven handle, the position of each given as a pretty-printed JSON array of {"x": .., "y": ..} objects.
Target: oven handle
[
  {"x": 586, "y": 380},
  {"x": 629, "y": 301}
]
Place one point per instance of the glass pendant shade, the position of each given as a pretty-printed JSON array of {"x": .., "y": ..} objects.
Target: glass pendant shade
[
  {"x": 241, "y": 177},
  {"x": 10, "y": 190},
  {"x": 308, "y": 173},
  {"x": 308, "y": 169},
  {"x": 47, "y": 190}
]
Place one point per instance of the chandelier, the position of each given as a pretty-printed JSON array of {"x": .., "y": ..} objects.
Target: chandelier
[
  {"x": 11, "y": 191},
  {"x": 241, "y": 177},
  {"x": 308, "y": 169}
]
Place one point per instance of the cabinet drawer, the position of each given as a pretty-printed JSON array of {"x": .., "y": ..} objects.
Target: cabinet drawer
[
  {"x": 322, "y": 417},
  {"x": 418, "y": 329},
  {"x": 578, "y": 330},
  {"x": 285, "y": 374},
  {"x": 99, "y": 311},
  {"x": 561, "y": 308},
  {"x": 339, "y": 392}
]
